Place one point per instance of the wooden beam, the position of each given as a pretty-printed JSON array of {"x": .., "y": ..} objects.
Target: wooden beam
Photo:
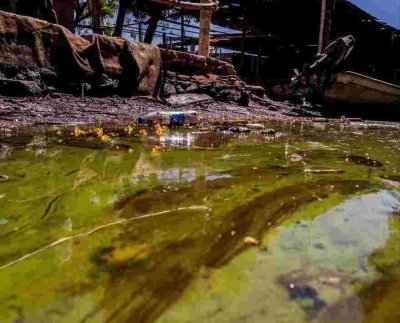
[{"x": 210, "y": 5}]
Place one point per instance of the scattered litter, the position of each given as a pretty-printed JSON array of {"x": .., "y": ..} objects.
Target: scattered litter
[
  {"x": 269, "y": 132},
  {"x": 3, "y": 221},
  {"x": 255, "y": 126},
  {"x": 239, "y": 129},
  {"x": 173, "y": 118}
]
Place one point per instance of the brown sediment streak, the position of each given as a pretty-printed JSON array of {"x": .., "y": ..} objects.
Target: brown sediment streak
[{"x": 101, "y": 227}]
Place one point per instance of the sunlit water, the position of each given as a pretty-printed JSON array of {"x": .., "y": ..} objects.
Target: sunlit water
[{"x": 146, "y": 228}]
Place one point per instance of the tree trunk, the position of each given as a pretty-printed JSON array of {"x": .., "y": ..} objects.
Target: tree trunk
[
  {"x": 95, "y": 10},
  {"x": 152, "y": 27},
  {"x": 119, "y": 24}
]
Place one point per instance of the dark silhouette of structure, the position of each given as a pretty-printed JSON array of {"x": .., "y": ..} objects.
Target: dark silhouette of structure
[{"x": 284, "y": 34}]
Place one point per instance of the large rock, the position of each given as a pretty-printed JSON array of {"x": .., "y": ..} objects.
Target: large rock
[
  {"x": 30, "y": 46},
  {"x": 191, "y": 64}
]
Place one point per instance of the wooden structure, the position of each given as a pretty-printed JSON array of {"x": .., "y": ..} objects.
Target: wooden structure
[
  {"x": 205, "y": 7},
  {"x": 293, "y": 29}
]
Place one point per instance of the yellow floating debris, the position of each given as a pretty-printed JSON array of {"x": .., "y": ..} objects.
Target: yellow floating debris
[
  {"x": 105, "y": 138},
  {"x": 156, "y": 151},
  {"x": 251, "y": 241},
  {"x": 98, "y": 131},
  {"x": 128, "y": 130},
  {"x": 159, "y": 129},
  {"x": 143, "y": 133},
  {"x": 78, "y": 132}
]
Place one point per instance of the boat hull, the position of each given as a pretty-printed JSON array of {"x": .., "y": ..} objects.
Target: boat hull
[{"x": 354, "y": 88}]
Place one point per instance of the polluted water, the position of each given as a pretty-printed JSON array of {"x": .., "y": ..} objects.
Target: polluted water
[{"x": 296, "y": 224}]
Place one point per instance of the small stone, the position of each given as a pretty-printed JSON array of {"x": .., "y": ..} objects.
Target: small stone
[{"x": 182, "y": 77}]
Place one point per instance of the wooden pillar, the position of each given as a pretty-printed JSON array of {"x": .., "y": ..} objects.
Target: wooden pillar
[
  {"x": 140, "y": 32},
  {"x": 182, "y": 32},
  {"x": 95, "y": 11},
  {"x": 65, "y": 13},
  {"x": 327, "y": 7},
  {"x": 205, "y": 26}
]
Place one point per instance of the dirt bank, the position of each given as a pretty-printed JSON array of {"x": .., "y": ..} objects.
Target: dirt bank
[{"x": 68, "y": 109}]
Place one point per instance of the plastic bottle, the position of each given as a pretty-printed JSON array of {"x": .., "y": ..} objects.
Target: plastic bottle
[{"x": 170, "y": 118}]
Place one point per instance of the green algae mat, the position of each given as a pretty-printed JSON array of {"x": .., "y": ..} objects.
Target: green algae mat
[{"x": 299, "y": 225}]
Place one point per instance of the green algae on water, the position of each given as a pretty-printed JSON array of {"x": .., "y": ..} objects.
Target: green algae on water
[{"x": 146, "y": 228}]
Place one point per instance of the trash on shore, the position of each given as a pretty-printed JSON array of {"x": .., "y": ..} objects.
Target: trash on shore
[
  {"x": 170, "y": 118},
  {"x": 239, "y": 129},
  {"x": 255, "y": 126},
  {"x": 268, "y": 132}
]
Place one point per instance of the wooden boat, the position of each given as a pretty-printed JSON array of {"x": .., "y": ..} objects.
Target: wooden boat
[{"x": 359, "y": 89}]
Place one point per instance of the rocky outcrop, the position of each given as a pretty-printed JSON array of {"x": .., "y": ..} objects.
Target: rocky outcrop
[
  {"x": 189, "y": 73},
  {"x": 37, "y": 57},
  {"x": 187, "y": 63},
  {"x": 46, "y": 56}
]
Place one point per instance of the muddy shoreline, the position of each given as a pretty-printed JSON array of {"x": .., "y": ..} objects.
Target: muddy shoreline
[{"x": 65, "y": 109}]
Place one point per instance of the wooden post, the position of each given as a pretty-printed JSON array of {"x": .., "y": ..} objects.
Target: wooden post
[
  {"x": 242, "y": 50},
  {"x": 140, "y": 32},
  {"x": 182, "y": 32},
  {"x": 95, "y": 11},
  {"x": 327, "y": 7},
  {"x": 205, "y": 26},
  {"x": 258, "y": 61}
]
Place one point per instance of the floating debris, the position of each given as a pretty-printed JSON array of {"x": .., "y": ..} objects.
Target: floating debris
[
  {"x": 105, "y": 138},
  {"x": 128, "y": 130},
  {"x": 361, "y": 160},
  {"x": 295, "y": 158},
  {"x": 251, "y": 241},
  {"x": 142, "y": 133},
  {"x": 78, "y": 132}
]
